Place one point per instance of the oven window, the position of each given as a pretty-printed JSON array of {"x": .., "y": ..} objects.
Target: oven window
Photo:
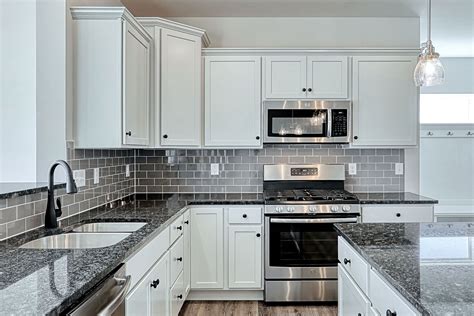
[
  {"x": 303, "y": 245},
  {"x": 297, "y": 123}
]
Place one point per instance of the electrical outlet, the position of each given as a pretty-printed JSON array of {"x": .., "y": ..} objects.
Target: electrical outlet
[
  {"x": 96, "y": 175},
  {"x": 127, "y": 171},
  {"x": 399, "y": 169},
  {"x": 214, "y": 169},
  {"x": 352, "y": 169},
  {"x": 80, "y": 177}
]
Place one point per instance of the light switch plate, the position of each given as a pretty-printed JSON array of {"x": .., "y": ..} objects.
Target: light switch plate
[
  {"x": 352, "y": 169},
  {"x": 127, "y": 171},
  {"x": 214, "y": 169},
  {"x": 399, "y": 169},
  {"x": 96, "y": 175},
  {"x": 80, "y": 177}
]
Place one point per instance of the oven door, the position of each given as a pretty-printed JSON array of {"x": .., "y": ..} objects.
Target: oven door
[
  {"x": 301, "y": 248},
  {"x": 306, "y": 122}
]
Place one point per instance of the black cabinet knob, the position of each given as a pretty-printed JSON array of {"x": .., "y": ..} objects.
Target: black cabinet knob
[
  {"x": 179, "y": 228},
  {"x": 309, "y": 89},
  {"x": 257, "y": 138},
  {"x": 155, "y": 283},
  {"x": 359, "y": 314},
  {"x": 179, "y": 259},
  {"x": 356, "y": 137},
  {"x": 346, "y": 261},
  {"x": 304, "y": 89},
  {"x": 390, "y": 313},
  {"x": 180, "y": 297},
  {"x": 244, "y": 216},
  {"x": 258, "y": 235},
  {"x": 398, "y": 214},
  {"x": 186, "y": 222},
  {"x": 165, "y": 136},
  {"x": 129, "y": 133}
]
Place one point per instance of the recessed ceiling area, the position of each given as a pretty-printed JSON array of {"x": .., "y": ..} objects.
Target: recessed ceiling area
[{"x": 453, "y": 20}]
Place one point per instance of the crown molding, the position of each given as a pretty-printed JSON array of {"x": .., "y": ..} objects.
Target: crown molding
[{"x": 296, "y": 51}]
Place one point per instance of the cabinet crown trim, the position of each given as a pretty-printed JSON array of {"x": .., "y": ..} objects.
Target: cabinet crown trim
[
  {"x": 176, "y": 26},
  {"x": 304, "y": 51}
]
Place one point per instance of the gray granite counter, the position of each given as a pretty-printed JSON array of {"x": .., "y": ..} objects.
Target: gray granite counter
[
  {"x": 12, "y": 189},
  {"x": 394, "y": 198},
  {"x": 431, "y": 265}
]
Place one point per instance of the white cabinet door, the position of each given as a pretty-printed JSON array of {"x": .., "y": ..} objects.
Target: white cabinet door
[
  {"x": 137, "y": 301},
  {"x": 136, "y": 87},
  {"x": 285, "y": 77},
  {"x": 187, "y": 253},
  {"x": 180, "y": 89},
  {"x": 245, "y": 256},
  {"x": 207, "y": 251},
  {"x": 159, "y": 288},
  {"x": 232, "y": 102},
  {"x": 327, "y": 77},
  {"x": 351, "y": 299},
  {"x": 176, "y": 296},
  {"x": 385, "y": 101}
]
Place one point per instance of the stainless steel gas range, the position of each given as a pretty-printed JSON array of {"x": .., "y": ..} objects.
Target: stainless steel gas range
[{"x": 302, "y": 204}]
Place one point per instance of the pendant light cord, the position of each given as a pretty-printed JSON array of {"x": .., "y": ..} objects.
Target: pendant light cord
[{"x": 429, "y": 21}]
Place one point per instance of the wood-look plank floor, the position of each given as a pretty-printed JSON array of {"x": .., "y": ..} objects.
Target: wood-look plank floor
[{"x": 253, "y": 308}]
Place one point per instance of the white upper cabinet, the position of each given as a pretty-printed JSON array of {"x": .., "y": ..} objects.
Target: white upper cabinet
[
  {"x": 301, "y": 77},
  {"x": 180, "y": 89},
  {"x": 233, "y": 102},
  {"x": 111, "y": 78},
  {"x": 327, "y": 77},
  {"x": 285, "y": 77},
  {"x": 385, "y": 101}
]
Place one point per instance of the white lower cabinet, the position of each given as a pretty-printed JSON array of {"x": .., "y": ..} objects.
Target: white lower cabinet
[
  {"x": 177, "y": 295},
  {"x": 398, "y": 213},
  {"x": 245, "y": 256},
  {"x": 150, "y": 295},
  {"x": 187, "y": 252},
  {"x": 352, "y": 300}
]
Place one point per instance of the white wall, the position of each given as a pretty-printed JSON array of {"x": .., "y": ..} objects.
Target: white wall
[
  {"x": 308, "y": 32},
  {"x": 459, "y": 76}
]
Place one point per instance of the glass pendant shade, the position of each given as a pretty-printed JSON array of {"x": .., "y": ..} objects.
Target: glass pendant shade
[{"x": 429, "y": 71}]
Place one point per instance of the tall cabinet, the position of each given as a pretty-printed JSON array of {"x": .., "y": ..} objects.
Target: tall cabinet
[{"x": 112, "y": 54}]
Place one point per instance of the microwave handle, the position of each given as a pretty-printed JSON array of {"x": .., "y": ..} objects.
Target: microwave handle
[
  {"x": 314, "y": 220},
  {"x": 329, "y": 133}
]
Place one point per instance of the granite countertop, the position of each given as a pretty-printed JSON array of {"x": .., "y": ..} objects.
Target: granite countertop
[
  {"x": 431, "y": 265},
  {"x": 394, "y": 198},
  {"x": 37, "y": 282},
  {"x": 12, "y": 189}
]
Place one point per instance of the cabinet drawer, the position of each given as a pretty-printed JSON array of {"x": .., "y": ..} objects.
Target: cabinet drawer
[
  {"x": 176, "y": 229},
  {"x": 245, "y": 215},
  {"x": 354, "y": 264},
  {"x": 177, "y": 259},
  {"x": 384, "y": 298},
  {"x": 177, "y": 296},
  {"x": 397, "y": 214},
  {"x": 142, "y": 261}
]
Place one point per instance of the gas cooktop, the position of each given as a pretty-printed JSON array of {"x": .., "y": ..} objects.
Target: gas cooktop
[{"x": 309, "y": 196}]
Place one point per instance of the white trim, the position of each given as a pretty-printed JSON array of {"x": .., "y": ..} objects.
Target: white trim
[
  {"x": 269, "y": 51},
  {"x": 225, "y": 295}
]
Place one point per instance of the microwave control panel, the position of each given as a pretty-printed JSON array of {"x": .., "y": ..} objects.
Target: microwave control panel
[{"x": 339, "y": 123}]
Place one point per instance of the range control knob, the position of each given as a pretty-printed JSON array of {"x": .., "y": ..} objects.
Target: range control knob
[
  {"x": 278, "y": 209},
  {"x": 334, "y": 208},
  {"x": 346, "y": 208},
  {"x": 290, "y": 209},
  {"x": 312, "y": 209}
]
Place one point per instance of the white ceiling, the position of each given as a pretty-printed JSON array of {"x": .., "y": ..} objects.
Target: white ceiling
[{"x": 453, "y": 20}]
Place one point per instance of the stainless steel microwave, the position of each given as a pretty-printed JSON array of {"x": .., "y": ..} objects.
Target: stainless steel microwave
[{"x": 301, "y": 121}]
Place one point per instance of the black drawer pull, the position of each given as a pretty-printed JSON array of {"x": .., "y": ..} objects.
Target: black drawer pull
[
  {"x": 186, "y": 222},
  {"x": 398, "y": 214},
  {"x": 390, "y": 313},
  {"x": 155, "y": 283},
  {"x": 346, "y": 261},
  {"x": 129, "y": 133},
  {"x": 258, "y": 235},
  {"x": 179, "y": 259},
  {"x": 179, "y": 227},
  {"x": 244, "y": 216},
  {"x": 179, "y": 297}
]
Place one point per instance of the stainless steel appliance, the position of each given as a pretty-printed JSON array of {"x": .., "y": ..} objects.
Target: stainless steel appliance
[
  {"x": 302, "y": 204},
  {"x": 301, "y": 121},
  {"x": 108, "y": 299}
]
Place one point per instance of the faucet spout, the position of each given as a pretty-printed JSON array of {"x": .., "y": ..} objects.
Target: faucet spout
[{"x": 52, "y": 214}]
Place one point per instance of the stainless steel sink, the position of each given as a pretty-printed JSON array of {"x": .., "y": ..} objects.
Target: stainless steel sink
[
  {"x": 76, "y": 241},
  {"x": 127, "y": 227}
]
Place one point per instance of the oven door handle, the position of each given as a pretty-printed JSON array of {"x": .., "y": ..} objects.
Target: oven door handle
[{"x": 313, "y": 220}]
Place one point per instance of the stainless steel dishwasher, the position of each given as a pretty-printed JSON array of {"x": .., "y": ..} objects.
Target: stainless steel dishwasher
[{"x": 108, "y": 299}]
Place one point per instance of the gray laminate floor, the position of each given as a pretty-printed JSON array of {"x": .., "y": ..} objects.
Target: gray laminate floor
[{"x": 253, "y": 308}]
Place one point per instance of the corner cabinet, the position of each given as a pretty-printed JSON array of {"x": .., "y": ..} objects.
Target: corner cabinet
[
  {"x": 111, "y": 78},
  {"x": 232, "y": 103},
  {"x": 385, "y": 101},
  {"x": 301, "y": 77},
  {"x": 180, "y": 89}
]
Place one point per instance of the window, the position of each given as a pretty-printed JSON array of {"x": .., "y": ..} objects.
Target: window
[{"x": 447, "y": 108}]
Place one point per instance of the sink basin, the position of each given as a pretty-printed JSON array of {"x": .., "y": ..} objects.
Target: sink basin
[
  {"x": 127, "y": 227},
  {"x": 76, "y": 241}
]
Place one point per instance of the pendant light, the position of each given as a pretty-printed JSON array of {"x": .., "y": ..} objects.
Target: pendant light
[{"x": 429, "y": 71}]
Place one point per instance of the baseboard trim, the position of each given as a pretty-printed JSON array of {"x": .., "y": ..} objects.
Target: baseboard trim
[{"x": 227, "y": 295}]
